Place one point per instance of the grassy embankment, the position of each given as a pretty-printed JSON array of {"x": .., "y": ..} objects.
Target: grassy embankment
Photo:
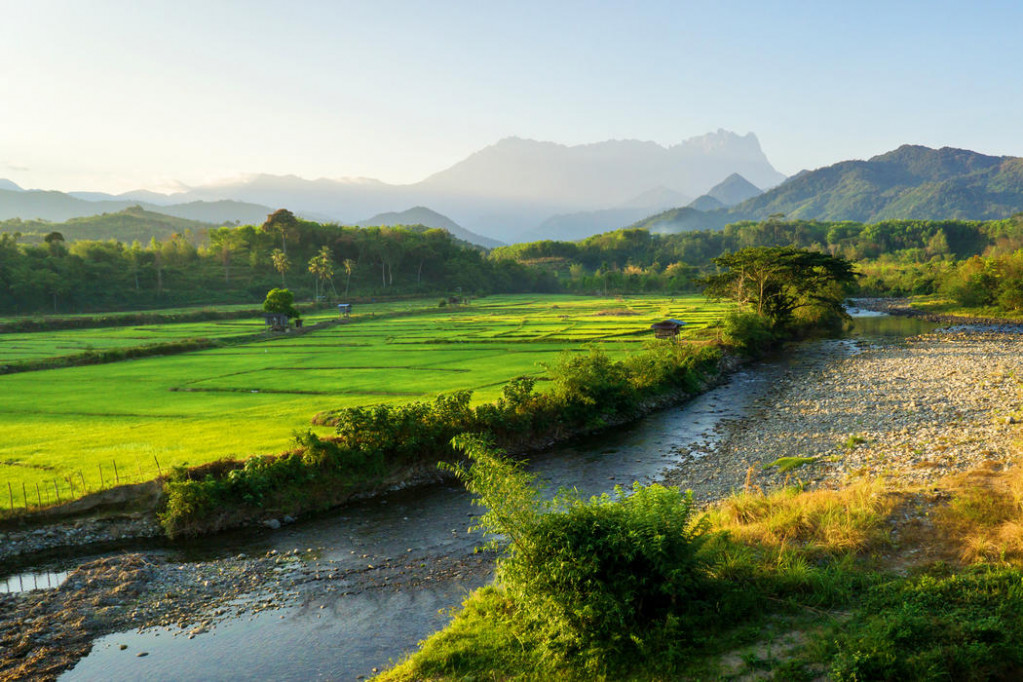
[
  {"x": 792, "y": 586},
  {"x": 62, "y": 429},
  {"x": 939, "y": 305}
]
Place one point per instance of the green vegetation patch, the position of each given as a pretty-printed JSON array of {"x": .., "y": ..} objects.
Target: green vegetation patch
[
  {"x": 71, "y": 427},
  {"x": 787, "y": 464}
]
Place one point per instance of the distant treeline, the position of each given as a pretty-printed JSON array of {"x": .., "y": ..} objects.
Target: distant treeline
[
  {"x": 239, "y": 264},
  {"x": 974, "y": 262}
]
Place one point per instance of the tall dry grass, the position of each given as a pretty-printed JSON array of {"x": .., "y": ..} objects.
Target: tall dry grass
[
  {"x": 984, "y": 519},
  {"x": 819, "y": 522}
]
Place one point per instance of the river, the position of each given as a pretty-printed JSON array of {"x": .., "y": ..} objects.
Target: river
[{"x": 332, "y": 633}]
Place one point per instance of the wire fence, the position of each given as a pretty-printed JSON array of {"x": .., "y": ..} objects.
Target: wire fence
[{"x": 26, "y": 496}]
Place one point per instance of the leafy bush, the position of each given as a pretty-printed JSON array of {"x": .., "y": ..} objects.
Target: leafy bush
[
  {"x": 584, "y": 382},
  {"x": 620, "y": 573},
  {"x": 749, "y": 333},
  {"x": 280, "y": 301}
]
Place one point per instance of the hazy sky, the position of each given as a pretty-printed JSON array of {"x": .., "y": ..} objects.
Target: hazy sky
[{"x": 114, "y": 95}]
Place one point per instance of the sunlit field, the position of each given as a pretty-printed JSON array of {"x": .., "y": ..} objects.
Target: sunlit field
[{"x": 62, "y": 427}]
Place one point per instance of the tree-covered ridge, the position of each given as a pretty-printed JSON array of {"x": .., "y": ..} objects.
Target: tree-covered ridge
[
  {"x": 131, "y": 224},
  {"x": 911, "y": 182},
  {"x": 913, "y": 241},
  {"x": 239, "y": 264}
]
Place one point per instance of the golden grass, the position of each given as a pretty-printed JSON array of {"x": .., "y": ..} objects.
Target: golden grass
[
  {"x": 819, "y": 522},
  {"x": 984, "y": 519}
]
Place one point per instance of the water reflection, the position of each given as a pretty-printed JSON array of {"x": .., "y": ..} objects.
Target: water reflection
[{"x": 32, "y": 580}]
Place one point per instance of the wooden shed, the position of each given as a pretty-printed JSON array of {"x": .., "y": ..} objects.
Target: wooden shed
[
  {"x": 668, "y": 329},
  {"x": 275, "y": 322}
]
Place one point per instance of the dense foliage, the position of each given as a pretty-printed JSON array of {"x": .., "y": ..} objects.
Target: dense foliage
[
  {"x": 237, "y": 264},
  {"x": 777, "y": 283}
]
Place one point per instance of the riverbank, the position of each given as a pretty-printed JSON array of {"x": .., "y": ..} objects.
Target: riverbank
[{"x": 911, "y": 413}]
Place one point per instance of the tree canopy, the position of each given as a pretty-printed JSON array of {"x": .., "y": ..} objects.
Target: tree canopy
[{"x": 775, "y": 282}]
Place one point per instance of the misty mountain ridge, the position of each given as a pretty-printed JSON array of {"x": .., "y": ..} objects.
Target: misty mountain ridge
[
  {"x": 513, "y": 186},
  {"x": 59, "y": 206},
  {"x": 911, "y": 182},
  {"x": 500, "y": 192},
  {"x": 733, "y": 190},
  {"x": 420, "y": 215}
]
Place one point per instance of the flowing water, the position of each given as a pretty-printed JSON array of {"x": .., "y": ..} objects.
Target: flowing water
[{"x": 334, "y": 636}]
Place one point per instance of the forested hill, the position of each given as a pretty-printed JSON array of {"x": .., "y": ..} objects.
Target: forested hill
[
  {"x": 130, "y": 225},
  {"x": 420, "y": 215},
  {"x": 911, "y": 182}
]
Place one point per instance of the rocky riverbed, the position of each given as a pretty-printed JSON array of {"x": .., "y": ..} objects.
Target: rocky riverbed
[
  {"x": 45, "y": 632},
  {"x": 911, "y": 412}
]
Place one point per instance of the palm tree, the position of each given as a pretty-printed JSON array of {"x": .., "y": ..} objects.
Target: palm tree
[
  {"x": 281, "y": 263},
  {"x": 349, "y": 266}
]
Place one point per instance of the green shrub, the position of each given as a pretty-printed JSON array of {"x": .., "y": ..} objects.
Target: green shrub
[
  {"x": 618, "y": 575},
  {"x": 593, "y": 380},
  {"x": 749, "y": 333}
]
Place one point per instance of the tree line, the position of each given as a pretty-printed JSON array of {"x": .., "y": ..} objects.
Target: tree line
[{"x": 239, "y": 264}]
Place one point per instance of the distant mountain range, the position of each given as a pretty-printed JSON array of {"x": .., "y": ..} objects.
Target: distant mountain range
[
  {"x": 575, "y": 226},
  {"x": 420, "y": 215},
  {"x": 500, "y": 192},
  {"x": 61, "y": 206},
  {"x": 911, "y": 182},
  {"x": 524, "y": 190}
]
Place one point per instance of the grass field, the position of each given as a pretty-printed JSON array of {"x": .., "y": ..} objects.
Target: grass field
[
  {"x": 20, "y": 346},
  {"x": 61, "y": 428}
]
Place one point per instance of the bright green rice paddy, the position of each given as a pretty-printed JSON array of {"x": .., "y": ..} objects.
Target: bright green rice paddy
[{"x": 251, "y": 398}]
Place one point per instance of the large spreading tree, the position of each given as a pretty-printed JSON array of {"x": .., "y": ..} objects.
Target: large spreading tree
[{"x": 777, "y": 282}]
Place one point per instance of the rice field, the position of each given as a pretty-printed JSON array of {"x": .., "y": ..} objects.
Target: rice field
[{"x": 63, "y": 431}]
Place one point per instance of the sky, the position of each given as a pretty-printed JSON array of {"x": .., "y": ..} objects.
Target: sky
[{"x": 116, "y": 95}]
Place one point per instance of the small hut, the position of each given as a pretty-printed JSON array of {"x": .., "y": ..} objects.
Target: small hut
[
  {"x": 668, "y": 329},
  {"x": 344, "y": 311},
  {"x": 275, "y": 322}
]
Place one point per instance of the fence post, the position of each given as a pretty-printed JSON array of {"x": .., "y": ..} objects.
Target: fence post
[
  {"x": 85, "y": 488},
  {"x": 10, "y": 494},
  {"x": 159, "y": 470},
  {"x": 56, "y": 490},
  {"x": 24, "y": 495},
  {"x": 39, "y": 498},
  {"x": 117, "y": 476}
]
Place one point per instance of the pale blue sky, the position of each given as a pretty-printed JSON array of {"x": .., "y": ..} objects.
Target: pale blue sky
[{"x": 121, "y": 94}]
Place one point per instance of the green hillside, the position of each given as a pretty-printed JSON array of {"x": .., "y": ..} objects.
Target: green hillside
[
  {"x": 909, "y": 183},
  {"x": 129, "y": 225}
]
